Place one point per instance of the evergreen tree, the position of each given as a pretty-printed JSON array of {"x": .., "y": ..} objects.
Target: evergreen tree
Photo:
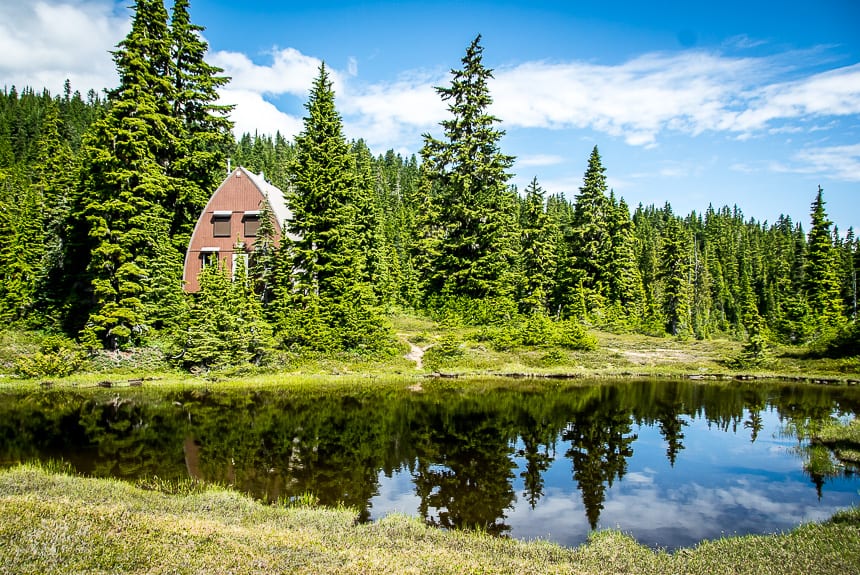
[
  {"x": 263, "y": 266},
  {"x": 590, "y": 241},
  {"x": 121, "y": 199},
  {"x": 467, "y": 179},
  {"x": 327, "y": 262},
  {"x": 538, "y": 251},
  {"x": 21, "y": 244},
  {"x": 324, "y": 215},
  {"x": 196, "y": 157},
  {"x": 822, "y": 274},
  {"x": 624, "y": 281},
  {"x": 54, "y": 175},
  {"x": 675, "y": 275}
]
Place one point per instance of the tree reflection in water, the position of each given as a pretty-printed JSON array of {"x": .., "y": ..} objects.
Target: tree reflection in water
[{"x": 462, "y": 445}]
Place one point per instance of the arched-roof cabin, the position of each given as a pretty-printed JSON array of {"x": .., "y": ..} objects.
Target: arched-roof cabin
[{"x": 227, "y": 228}]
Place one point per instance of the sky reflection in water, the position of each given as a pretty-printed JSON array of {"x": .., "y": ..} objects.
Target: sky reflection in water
[{"x": 722, "y": 483}]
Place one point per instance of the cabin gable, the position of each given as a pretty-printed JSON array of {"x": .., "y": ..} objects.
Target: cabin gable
[{"x": 227, "y": 227}]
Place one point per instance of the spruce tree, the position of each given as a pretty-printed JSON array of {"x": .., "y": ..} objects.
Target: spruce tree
[
  {"x": 149, "y": 166},
  {"x": 327, "y": 262},
  {"x": 823, "y": 287},
  {"x": 675, "y": 276},
  {"x": 538, "y": 251},
  {"x": 196, "y": 157},
  {"x": 263, "y": 265},
  {"x": 623, "y": 279},
  {"x": 467, "y": 179},
  {"x": 590, "y": 241},
  {"x": 122, "y": 190}
]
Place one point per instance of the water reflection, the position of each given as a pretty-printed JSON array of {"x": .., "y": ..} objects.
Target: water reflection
[{"x": 670, "y": 462}]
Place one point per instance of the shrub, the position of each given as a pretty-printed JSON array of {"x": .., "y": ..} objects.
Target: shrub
[
  {"x": 53, "y": 363},
  {"x": 444, "y": 353},
  {"x": 57, "y": 357},
  {"x": 572, "y": 335}
]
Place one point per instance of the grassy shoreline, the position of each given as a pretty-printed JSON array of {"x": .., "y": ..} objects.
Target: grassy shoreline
[
  {"x": 428, "y": 348},
  {"x": 55, "y": 523}
]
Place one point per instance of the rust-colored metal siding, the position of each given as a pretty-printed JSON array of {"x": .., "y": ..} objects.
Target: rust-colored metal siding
[{"x": 236, "y": 195}]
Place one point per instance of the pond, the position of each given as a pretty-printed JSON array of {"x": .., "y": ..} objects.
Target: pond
[{"x": 670, "y": 462}]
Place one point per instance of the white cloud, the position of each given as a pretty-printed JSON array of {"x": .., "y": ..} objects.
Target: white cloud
[
  {"x": 832, "y": 93},
  {"x": 290, "y": 72},
  {"x": 393, "y": 114},
  {"x": 539, "y": 160},
  {"x": 44, "y": 43},
  {"x": 252, "y": 114},
  {"x": 836, "y": 162},
  {"x": 688, "y": 92}
]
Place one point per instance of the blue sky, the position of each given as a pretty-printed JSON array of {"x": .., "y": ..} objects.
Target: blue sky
[{"x": 750, "y": 103}]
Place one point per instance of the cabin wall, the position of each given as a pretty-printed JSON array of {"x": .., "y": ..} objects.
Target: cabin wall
[{"x": 222, "y": 225}]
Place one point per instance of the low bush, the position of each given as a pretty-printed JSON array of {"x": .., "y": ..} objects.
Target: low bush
[
  {"x": 56, "y": 357},
  {"x": 540, "y": 331}
]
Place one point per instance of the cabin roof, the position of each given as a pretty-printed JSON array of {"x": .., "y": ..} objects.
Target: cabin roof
[{"x": 274, "y": 194}]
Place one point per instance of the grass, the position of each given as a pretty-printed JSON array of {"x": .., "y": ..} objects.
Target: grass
[
  {"x": 55, "y": 523},
  {"x": 842, "y": 438},
  {"x": 467, "y": 351}
]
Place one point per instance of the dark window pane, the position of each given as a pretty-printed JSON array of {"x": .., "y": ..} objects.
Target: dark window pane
[
  {"x": 221, "y": 226},
  {"x": 252, "y": 224}
]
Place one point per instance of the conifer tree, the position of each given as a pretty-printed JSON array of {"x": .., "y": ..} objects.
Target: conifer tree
[
  {"x": 324, "y": 215},
  {"x": 538, "y": 251},
  {"x": 590, "y": 241},
  {"x": 263, "y": 266},
  {"x": 675, "y": 275},
  {"x": 149, "y": 166},
  {"x": 121, "y": 198},
  {"x": 21, "y": 244},
  {"x": 822, "y": 280},
  {"x": 196, "y": 157},
  {"x": 55, "y": 175},
  {"x": 467, "y": 179},
  {"x": 327, "y": 262},
  {"x": 624, "y": 281}
]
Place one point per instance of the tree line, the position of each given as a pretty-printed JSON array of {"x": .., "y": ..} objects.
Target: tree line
[{"x": 100, "y": 197}]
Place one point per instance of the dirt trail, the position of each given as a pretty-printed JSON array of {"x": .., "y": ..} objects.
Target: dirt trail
[{"x": 416, "y": 353}]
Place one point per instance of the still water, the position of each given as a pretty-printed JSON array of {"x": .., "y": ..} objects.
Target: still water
[{"x": 671, "y": 463}]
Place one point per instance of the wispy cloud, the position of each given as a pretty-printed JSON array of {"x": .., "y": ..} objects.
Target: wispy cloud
[
  {"x": 835, "y": 162},
  {"x": 688, "y": 92},
  {"x": 287, "y": 72},
  {"x": 539, "y": 160}
]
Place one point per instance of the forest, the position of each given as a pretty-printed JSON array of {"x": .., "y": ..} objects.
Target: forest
[{"x": 99, "y": 196}]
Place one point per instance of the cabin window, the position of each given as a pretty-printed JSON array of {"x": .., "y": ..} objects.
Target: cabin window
[
  {"x": 252, "y": 224},
  {"x": 208, "y": 257},
  {"x": 221, "y": 224}
]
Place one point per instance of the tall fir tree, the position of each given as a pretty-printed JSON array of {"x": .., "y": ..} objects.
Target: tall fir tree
[
  {"x": 329, "y": 273},
  {"x": 120, "y": 202},
  {"x": 537, "y": 251},
  {"x": 466, "y": 172},
  {"x": 823, "y": 287},
  {"x": 149, "y": 166},
  {"x": 590, "y": 241},
  {"x": 675, "y": 276},
  {"x": 624, "y": 281},
  {"x": 196, "y": 158},
  {"x": 263, "y": 265}
]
